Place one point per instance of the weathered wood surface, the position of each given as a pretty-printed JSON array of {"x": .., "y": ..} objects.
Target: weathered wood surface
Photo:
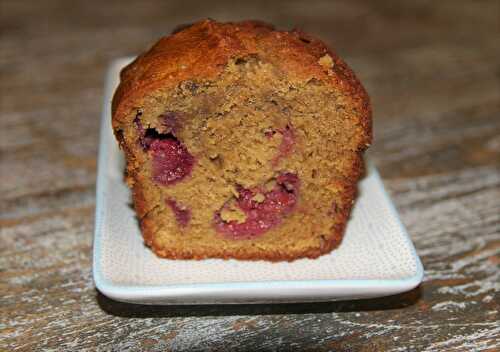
[{"x": 433, "y": 71}]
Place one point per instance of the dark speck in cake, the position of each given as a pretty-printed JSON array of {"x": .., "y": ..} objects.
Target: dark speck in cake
[
  {"x": 170, "y": 122},
  {"x": 287, "y": 143}
]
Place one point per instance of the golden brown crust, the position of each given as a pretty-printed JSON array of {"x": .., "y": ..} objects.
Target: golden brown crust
[
  {"x": 246, "y": 254},
  {"x": 173, "y": 60}
]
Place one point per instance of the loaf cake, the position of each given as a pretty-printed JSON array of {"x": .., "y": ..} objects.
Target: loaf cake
[{"x": 241, "y": 141}]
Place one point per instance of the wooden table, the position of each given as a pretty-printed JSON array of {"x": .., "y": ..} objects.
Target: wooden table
[{"x": 432, "y": 69}]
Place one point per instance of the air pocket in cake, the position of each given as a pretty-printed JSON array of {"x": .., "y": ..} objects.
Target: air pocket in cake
[{"x": 170, "y": 159}]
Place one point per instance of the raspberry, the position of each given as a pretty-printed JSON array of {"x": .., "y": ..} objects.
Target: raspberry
[
  {"x": 171, "y": 161},
  {"x": 264, "y": 212}
]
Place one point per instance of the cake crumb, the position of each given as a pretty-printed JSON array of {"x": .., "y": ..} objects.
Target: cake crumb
[
  {"x": 259, "y": 198},
  {"x": 233, "y": 213},
  {"x": 235, "y": 192},
  {"x": 326, "y": 61},
  {"x": 270, "y": 185}
]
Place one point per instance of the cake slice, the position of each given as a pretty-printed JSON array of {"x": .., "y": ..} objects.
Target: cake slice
[{"x": 242, "y": 142}]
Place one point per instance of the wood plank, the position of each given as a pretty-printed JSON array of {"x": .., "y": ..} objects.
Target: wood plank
[{"x": 433, "y": 73}]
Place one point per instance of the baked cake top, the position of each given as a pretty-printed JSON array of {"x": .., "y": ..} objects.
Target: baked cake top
[{"x": 201, "y": 51}]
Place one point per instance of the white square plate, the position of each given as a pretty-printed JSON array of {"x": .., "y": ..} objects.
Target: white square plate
[{"x": 376, "y": 257}]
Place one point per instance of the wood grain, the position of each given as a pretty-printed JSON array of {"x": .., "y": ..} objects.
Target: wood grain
[{"x": 433, "y": 72}]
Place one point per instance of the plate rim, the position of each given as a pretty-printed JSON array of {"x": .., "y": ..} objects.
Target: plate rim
[{"x": 231, "y": 292}]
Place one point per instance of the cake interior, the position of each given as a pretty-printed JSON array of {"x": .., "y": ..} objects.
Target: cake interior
[{"x": 253, "y": 162}]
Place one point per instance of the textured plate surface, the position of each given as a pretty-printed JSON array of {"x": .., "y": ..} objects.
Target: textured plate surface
[{"x": 376, "y": 257}]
